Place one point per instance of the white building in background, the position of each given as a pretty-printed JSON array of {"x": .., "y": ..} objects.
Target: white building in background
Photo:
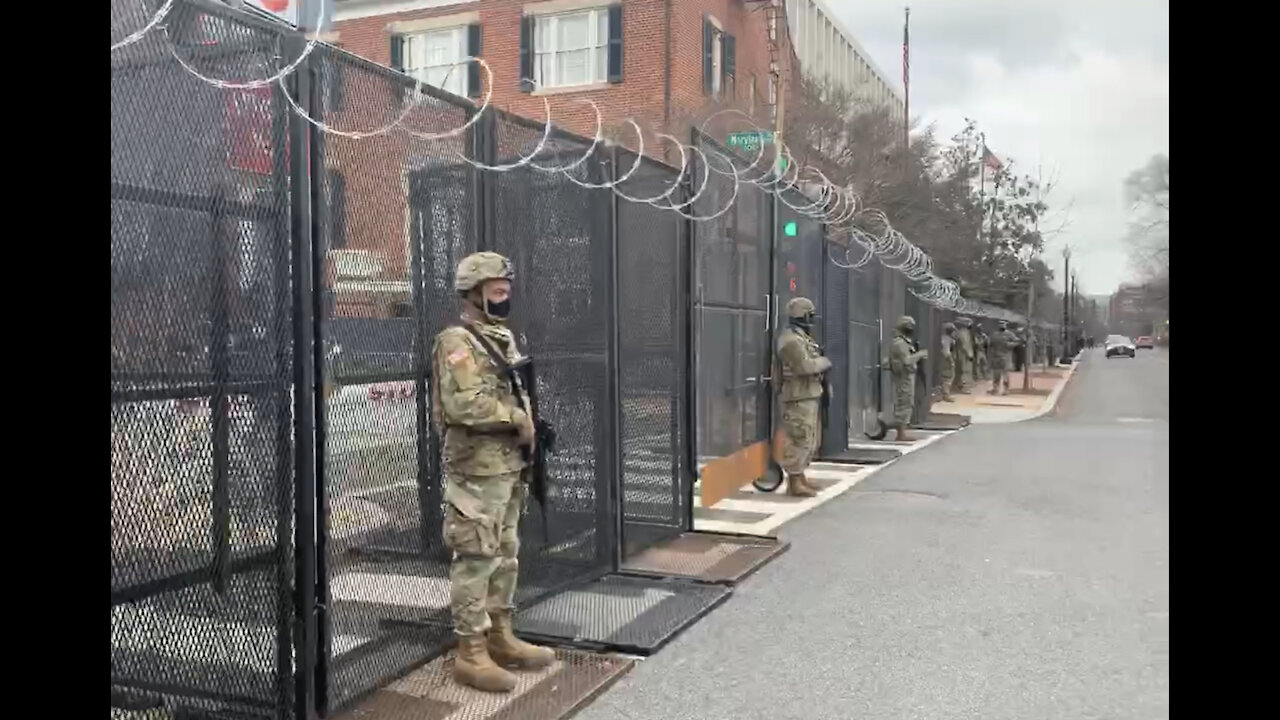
[{"x": 827, "y": 49}]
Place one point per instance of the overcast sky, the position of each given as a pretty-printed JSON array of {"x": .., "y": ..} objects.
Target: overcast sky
[{"x": 1080, "y": 87}]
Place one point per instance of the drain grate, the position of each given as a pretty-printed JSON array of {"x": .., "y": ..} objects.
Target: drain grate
[
  {"x": 943, "y": 422},
  {"x": 863, "y": 456},
  {"x": 635, "y": 615},
  {"x": 707, "y": 557},
  {"x": 430, "y": 693}
]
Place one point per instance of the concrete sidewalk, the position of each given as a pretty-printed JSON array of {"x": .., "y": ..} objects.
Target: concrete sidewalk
[{"x": 1018, "y": 405}]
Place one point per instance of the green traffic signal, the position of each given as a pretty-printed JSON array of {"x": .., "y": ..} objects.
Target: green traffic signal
[{"x": 789, "y": 229}]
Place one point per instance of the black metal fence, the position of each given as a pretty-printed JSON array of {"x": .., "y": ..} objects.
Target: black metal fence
[
  {"x": 276, "y": 484},
  {"x": 275, "y": 291}
]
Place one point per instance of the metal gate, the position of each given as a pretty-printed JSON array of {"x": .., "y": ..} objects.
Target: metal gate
[
  {"x": 733, "y": 326},
  {"x": 864, "y": 340}
]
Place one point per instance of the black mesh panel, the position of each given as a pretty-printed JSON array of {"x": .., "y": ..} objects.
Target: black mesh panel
[{"x": 201, "y": 369}]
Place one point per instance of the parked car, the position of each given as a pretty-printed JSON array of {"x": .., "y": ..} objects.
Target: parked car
[
  {"x": 1120, "y": 345},
  {"x": 1145, "y": 342}
]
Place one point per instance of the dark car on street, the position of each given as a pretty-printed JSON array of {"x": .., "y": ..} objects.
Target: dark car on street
[{"x": 1119, "y": 345}]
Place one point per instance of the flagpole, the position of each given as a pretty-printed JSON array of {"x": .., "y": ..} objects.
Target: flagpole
[{"x": 906, "y": 79}]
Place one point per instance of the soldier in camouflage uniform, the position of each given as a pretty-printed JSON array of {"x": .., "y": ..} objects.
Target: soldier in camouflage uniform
[
  {"x": 802, "y": 366},
  {"x": 902, "y": 367},
  {"x": 948, "y": 360},
  {"x": 476, "y": 409},
  {"x": 980, "y": 353},
  {"x": 1002, "y": 343},
  {"x": 964, "y": 360}
]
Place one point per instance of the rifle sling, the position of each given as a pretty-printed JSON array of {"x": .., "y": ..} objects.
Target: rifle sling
[{"x": 500, "y": 361}]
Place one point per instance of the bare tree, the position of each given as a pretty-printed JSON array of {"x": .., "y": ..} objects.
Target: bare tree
[{"x": 1147, "y": 192}]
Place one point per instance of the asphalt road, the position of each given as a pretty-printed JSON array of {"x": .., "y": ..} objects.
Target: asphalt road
[{"x": 1011, "y": 572}]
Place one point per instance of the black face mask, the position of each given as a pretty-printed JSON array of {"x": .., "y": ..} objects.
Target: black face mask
[
  {"x": 499, "y": 310},
  {"x": 494, "y": 310},
  {"x": 804, "y": 323}
]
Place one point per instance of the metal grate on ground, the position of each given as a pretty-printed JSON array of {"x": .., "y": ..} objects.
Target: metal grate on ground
[
  {"x": 634, "y": 615},
  {"x": 430, "y": 692},
  {"x": 936, "y": 423},
  {"x": 706, "y": 557},
  {"x": 863, "y": 456}
]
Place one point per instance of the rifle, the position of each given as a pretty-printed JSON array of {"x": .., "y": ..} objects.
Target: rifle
[
  {"x": 825, "y": 403},
  {"x": 521, "y": 377}
]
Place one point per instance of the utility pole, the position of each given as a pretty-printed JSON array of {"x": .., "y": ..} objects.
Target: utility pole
[
  {"x": 1066, "y": 302},
  {"x": 1028, "y": 355}
]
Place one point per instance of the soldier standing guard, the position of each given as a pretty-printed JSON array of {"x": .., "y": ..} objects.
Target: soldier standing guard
[
  {"x": 802, "y": 366},
  {"x": 948, "y": 360},
  {"x": 980, "y": 353},
  {"x": 1002, "y": 343},
  {"x": 964, "y": 361},
  {"x": 902, "y": 368},
  {"x": 477, "y": 411}
]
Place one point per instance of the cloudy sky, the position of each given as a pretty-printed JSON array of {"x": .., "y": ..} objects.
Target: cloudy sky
[{"x": 1080, "y": 87}]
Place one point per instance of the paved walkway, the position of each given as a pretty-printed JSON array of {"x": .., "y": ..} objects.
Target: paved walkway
[
  {"x": 1018, "y": 405},
  {"x": 752, "y": 512}
]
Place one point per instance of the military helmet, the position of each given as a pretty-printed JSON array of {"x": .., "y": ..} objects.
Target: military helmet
[
  {"x": 479, "y": 267},
  {"x": 964, "y": 322},
  {"x": 799, "y": 307},
  {"x": 906, "y": 322}
]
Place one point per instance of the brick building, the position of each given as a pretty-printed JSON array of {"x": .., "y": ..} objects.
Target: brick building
[
  {"x": 668, "y": 64},
  {"x": 662, "y": 62}
]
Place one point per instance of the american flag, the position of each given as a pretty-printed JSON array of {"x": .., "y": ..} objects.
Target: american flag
[{"x": 990, "y": 160}]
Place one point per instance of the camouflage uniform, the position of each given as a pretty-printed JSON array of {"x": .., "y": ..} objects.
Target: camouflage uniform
[
  {"x": 980, "y": 354},
  {"x": 477, "y": 410},
  {"x": 1002, "y": 343},
  {"x": 902, "y": 367},
  {"x": 948, "y": 360},
  {"x": 802, "y": 366},
  {"x": 964, "y": 361}
]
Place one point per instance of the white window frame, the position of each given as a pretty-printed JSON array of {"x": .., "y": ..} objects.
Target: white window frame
[
  {"x": 717, "y": 60},
  {"x": 418, "y": 65},
  {"x": 546, "y": 41}
]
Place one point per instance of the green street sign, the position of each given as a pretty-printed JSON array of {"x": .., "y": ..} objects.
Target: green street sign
[
  {"x": 789, "y": 229},
  {"x": 749, "y": 140}
]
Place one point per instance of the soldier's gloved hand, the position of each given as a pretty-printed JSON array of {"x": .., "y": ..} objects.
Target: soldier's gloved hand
[
  {"x": 525, "y": 430},
  {"x": 824, "y": 364}
]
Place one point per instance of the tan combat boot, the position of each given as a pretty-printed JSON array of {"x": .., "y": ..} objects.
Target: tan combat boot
[
  {"x": 510, "y": 651},
  {"x": 804, "y": 480},
  {"x": 796, "y": 487},
  {"x": 473, "y": 667},
  {"x": 902, "y": 436}
]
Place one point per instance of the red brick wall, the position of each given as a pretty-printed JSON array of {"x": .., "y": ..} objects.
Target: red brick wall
[{"x": 374, "y": 167}]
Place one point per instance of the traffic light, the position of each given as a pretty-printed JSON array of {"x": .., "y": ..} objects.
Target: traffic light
[{"x": 789, "y": 229}]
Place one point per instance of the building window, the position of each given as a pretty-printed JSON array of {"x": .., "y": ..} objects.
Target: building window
[
  {"x": 572, "y": 48},
  {"x": 718, "y": 60},
  {"x": 436, "y": 58}
]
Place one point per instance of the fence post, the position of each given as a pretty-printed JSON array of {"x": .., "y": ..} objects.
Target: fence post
[
  {"x": 686, "y": 270},
  {"x": 304, "y": 393},
  {"x": 613, "y": 393},
  {"x": 220, "y": 403},
  {"x": 319, "y": 212}
]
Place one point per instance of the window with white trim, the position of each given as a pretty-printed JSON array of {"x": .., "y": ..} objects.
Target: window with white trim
[
  {"x": 572, "y": 48},
  {"x": 436, "y": 58}
]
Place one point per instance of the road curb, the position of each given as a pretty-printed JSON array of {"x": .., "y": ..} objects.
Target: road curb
[{"x": 1052, "y": 401}]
